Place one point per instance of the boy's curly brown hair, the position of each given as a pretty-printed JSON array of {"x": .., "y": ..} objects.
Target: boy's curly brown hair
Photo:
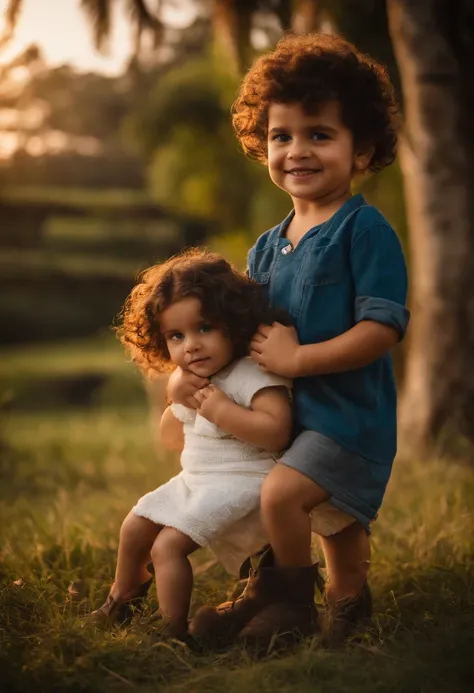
[
  {"x": 313, "y": 69},
  {"x": 229, "y": 300}
]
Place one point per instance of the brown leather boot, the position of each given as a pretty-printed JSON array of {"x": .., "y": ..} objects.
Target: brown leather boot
[
  {"x": 216, "y": 626},
  {"x": 114, "y": 612},
  {"x": 343, "y": 618},
  {"x": 292, "y": 615}
]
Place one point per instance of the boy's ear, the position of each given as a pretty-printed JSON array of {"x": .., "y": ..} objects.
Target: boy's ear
[{"x": 363, "y": 158}]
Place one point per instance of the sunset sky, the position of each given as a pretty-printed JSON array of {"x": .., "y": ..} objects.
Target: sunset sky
[{"x": 60, "y": 28}]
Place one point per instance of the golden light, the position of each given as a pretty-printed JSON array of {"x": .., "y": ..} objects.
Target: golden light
[{"x": 61, "y": 31}]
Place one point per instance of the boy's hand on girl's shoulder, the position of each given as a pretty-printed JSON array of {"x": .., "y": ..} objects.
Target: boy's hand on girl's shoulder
[
  {"x": 183, "y": 385},
  {"x": 276, "y": 349},
  {"x": 211, "y": 403}
]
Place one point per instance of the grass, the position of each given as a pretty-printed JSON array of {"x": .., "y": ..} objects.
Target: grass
[
  {"x": 14, "y": 262},
  {"x": 102, "y": 353},
  {"x": 113, "y": 198},
  {"x": 34, "y": 376},
  {"x": 68, "y": 478}
]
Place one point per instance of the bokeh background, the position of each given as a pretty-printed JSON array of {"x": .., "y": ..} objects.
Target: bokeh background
[
  {"x": 116, "y": 150},
  {"x": 113, "y": 161}
]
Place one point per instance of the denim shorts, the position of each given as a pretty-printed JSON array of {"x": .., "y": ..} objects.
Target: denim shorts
[{"x": 356, "y": 485}]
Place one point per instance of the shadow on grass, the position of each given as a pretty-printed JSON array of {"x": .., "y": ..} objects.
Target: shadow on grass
[{"x": 421, "y": 639}]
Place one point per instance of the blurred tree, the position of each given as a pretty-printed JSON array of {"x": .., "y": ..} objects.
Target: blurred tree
[
  {"x": 434, "y": 45},
  {"x": 67, "y": 125},
  {"x": 184, "y": 131},
  {"x": 365, "y": 23},
  {"x": 232, "y": 21},
  {"x": 142, "y": 20}
]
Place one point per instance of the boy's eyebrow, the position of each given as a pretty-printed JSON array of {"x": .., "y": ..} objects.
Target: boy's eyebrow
[
  {"x": 322, "y": 126},
  {"x": 315, "y": 126}
]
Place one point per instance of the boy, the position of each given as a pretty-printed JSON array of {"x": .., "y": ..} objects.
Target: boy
[{"x": 317, "y": 112}]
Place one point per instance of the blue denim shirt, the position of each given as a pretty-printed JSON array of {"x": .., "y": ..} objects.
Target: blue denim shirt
[{"x": 348, "y": 269}]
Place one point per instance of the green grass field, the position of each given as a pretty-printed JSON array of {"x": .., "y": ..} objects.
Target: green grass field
[{"x": 67, "y": 479}]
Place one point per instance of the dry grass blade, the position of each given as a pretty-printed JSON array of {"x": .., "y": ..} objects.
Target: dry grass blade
[
  {"x": 204, "y": 567},
  {"x": 122, "y": 679}
]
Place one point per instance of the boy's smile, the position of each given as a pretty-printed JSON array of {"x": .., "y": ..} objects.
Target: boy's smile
[{"x": 311, "y": 157}]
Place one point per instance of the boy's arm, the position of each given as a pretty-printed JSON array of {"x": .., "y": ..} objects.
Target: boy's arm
[
  {"x": 171, "y": 431},
  {"x": 380, "y": 286},
  {"x": 365, "y": 342},
  {"x": 277, "y": 349},
  {"x": 266, "y": 425}
]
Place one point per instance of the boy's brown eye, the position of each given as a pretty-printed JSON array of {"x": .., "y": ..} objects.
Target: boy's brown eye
[{"x": 280, "y": 137}]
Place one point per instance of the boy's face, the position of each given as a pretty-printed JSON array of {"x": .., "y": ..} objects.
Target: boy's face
[
  {"x": 311, "y": 157},
  {"x": 193, "y": 343}
]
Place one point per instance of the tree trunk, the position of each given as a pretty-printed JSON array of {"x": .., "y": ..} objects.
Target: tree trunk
[
  {"x": 231, "y": 22},
  {"x": 434, "y": 46},
  {"x": 306, "y": 16}
]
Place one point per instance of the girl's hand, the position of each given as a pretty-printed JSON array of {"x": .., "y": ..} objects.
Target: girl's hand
[
  {"x": 211, "y": 402},
  {"x": 276, "y": 349},
  {"x": 182, "y": 387}
]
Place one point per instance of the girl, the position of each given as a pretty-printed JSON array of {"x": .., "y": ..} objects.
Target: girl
[
  {"x": 318, "y": 112},
  {"x": 197, "y": 313}
]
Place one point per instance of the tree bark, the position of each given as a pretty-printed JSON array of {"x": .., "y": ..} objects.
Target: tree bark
[
  {"x": 434, "y": 46},
  {"x": 231, "y": 22},
  {"x": 306, "y": 16}
]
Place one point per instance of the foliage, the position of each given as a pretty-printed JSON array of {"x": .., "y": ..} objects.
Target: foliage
[{"x": 184, "y": 129}]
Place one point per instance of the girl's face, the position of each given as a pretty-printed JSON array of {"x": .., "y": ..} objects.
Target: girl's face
[
  {"x": 193, "y": 343},
  {"x": 311, "y": 157}
]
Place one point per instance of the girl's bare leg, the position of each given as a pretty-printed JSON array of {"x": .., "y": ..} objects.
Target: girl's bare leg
[
  {"x": 347, "y": 557},
  {"x": 137, "y": 535},
  {"x": 173, "y": 575},
  {"x": 288, "y": 496}
]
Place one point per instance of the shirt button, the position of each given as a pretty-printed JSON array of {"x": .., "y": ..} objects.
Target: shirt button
[{"x": 287, "y": 249}]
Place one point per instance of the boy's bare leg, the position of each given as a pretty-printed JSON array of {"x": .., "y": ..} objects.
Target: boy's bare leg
[
  {"x": 137, "y": 535},
  {"x": 288, "y": 496},
  {"x": 173, "y": 575},
  {"x": 347, "y": 557}
]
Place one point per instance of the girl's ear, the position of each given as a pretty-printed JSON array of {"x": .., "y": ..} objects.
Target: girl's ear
[{"x": 363, "y": 158}]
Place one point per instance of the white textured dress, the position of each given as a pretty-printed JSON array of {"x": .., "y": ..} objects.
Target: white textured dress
[{"x": 215, "y": 499}]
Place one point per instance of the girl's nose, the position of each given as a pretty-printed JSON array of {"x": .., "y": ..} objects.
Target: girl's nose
[{"x": 191, "y": 344}]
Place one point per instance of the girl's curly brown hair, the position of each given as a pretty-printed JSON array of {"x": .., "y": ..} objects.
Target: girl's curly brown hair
[
  {"x": 312, "y": 69},
  {"x": 229, "y": 300}
]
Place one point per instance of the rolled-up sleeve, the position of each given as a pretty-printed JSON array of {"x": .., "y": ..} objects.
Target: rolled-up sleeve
[{"x": 380, "y": 278}]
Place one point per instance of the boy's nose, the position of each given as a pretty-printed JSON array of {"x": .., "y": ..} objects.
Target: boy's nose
[{"x": 298, "y": 150}]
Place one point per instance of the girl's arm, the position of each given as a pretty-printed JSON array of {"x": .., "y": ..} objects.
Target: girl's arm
[
  {"x": 266, "y": 425},
  {"x": 171, "y": 431}
]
